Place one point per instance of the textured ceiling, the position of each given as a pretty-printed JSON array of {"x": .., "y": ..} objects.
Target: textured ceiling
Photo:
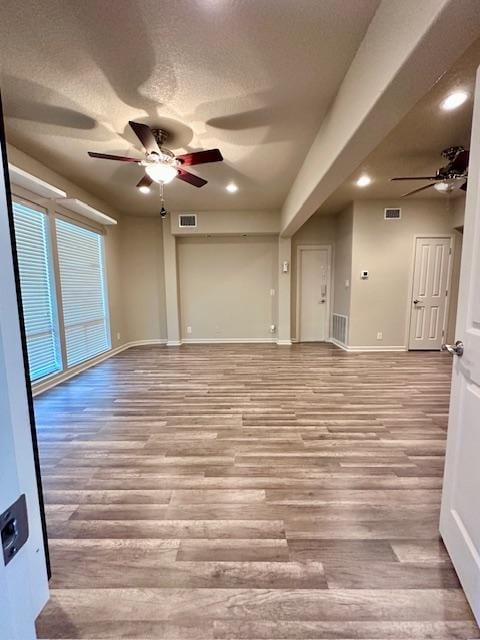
[
  {"x": 253, "y": 77},
  {"x": 414, "y": 146}
]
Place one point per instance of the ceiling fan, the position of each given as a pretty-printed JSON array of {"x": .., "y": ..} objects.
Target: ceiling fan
[
  {"x": 161, "y": 165},
  {"x": 453, "y": 176}
]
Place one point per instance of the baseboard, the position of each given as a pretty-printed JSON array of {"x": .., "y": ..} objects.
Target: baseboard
[
  {"x": 145, "y": 343},
  {"x": 53, "y": 381},
  {"x": 287, "y": 343},
  {"x": 373, "y": 349},
  {"x": 339, "y": 344},
  {"x": 174, "y": 343},
  {"x": 227, "y": 340},
  {"x": 367, "y": 348}
]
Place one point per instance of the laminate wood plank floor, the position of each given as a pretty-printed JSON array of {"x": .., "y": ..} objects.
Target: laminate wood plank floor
[{"x": 249, "y": 492}]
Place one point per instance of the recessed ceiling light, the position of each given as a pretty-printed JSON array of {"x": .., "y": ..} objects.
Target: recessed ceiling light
[
  {"x": 454, "y": 100},
  {"x": 231, "y": 187},
  {"x": 144, "y": 189},
  {"x": 364, "y": 181}
]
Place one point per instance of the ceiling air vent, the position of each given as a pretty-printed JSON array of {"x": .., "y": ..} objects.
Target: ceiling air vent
[
  {"x": 187, "y": 220},
  {"x": 392, "y": 214}
]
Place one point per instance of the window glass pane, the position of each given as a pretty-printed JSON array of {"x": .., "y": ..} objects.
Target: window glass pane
[
  {"x": 31, "y": 233},
  {"x": 82, "y": 278}
]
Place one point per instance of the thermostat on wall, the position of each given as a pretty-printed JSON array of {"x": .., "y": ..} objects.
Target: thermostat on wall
[{"x": 364, "y": 274}]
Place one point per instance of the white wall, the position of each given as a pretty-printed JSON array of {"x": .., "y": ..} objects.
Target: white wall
[
  {"x": 386, "y": 249},
  {"x": 224, "y": 287}
]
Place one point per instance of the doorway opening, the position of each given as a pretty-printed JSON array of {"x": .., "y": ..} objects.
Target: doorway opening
[{"x": 313, "y": 292}]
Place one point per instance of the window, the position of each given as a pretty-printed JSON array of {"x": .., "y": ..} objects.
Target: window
[
  {"x": 82, "y": 279},
  {"x": 31, "y": 233}
]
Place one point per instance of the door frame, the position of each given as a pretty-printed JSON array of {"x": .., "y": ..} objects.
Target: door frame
[
  {"x": 453, "y": 527},
  {"x": 310, "y": 247},
  {"x": 440, "y": 236},
  {"x": 26, "y": 576}
]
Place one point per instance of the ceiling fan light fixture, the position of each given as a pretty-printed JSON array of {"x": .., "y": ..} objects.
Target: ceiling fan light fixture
[
  {"x": 231, "y": 187},
  {"x": 454, "y": 100},
  {"x": 160, "y": 172},
  {"x": 443, "y": 186},
  {"x": 144, "y": 189},
  {"x": 363, "y": 181}
]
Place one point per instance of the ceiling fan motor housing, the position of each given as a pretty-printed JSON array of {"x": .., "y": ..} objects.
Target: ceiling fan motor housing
[{"x": 160, "y": 135}]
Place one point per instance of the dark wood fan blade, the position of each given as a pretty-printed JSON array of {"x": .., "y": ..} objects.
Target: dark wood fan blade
[
  {"x": 416, "y": 178},
  {"x": 410, "y": 193},
  {"x": 191, "y": 178},
  {"x": 107, "y": 156},
  {"x": 146, "y": 181},
  {"x": 200, "y": 157},
  {"x": 460, "y": 164},
  {"x": 145, "y": 135},
  {"x": 464, "y": 186}
]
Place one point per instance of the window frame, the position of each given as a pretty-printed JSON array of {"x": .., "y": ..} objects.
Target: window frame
[{"x": 53, "y": 210}]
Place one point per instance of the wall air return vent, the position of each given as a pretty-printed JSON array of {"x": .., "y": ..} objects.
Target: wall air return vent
[
  {"x": 187, "y": 220},
  {"x": 392, "y": 213},
  {"x": 339, "y": 328}
]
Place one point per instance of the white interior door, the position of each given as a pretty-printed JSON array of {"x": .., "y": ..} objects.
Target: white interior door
[
  {"x": 23, "y": 574},
  {"x": 429, "y": 294},
  {"x": 460, "y": 514},
  {"x": 313, "y": 293}
]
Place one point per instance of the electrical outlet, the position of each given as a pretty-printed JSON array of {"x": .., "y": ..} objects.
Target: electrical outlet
[
  {"x": 272, "y": 292},
  {"x": 189, "y": 329},
  {"x": 118, "y": 335},
  {"x": 273, "y": 328},
  {"x": 379, "y": 335},
  {"x": 347, "y": 284}
]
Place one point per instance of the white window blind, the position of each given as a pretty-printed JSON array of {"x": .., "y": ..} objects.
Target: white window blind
[
  {"x": 82, "y": 278},
  {"x": 31, "y": 234}
]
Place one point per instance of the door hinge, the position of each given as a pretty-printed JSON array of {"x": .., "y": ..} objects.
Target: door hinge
[
  {"x": 446, "y": 293},
  {"x": 450, "y": 251}
]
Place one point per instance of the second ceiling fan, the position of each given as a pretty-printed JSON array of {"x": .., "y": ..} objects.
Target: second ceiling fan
[
  {"x": 161, "y": 164},
  {"x": 453, "y": 176}
]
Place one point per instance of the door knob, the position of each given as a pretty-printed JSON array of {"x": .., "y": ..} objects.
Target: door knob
[
  {"x": 456, "y": 349},
  {"x": 416, "y": 301}
]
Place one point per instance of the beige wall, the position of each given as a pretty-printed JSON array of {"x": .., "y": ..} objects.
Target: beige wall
[
  {"x": 454, "y": 285},
  {"x": 224, "y": 287},
  {"x": 386, "y": 249},
  {"x": 230, "y": 222},
  {"x": 142, "y": 276},
  {"x": 112, "y": 234},
  {"x": 458, "y": 211},
  {"x": 343, "y": 262},
  {"x": 318, "y": 230}
]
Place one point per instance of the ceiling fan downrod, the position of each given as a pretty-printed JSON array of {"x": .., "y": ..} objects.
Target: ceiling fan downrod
[{"x": 161, "y": 136}]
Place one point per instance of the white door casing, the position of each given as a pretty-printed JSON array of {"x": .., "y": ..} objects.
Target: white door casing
[
  {"x": 23, "y": 581},
  {"x": 429, "y": 293},
  {"x": 313, "y": 292},
  {"x": 460, "y": 512}
]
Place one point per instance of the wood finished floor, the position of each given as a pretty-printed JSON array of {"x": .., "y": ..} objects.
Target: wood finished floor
[{"x": 249, "y": 492}]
